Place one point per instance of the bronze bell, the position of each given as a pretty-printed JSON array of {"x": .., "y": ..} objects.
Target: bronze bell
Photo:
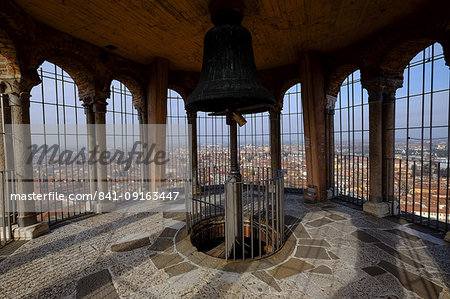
[{"x": 229, "y": 80}]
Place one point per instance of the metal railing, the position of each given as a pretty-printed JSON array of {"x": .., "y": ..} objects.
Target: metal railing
[
  {"x": 351, "y": 178},
  {"x": 8, "y": 215},
  {"x": 241, "y": 219},
  {"x": 50, "y": 179},
  {"x": 421, "y": 191}
]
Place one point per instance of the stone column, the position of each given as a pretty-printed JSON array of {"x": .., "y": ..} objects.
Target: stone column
[
  {"x": 157, "y": 89},
  {"x": 381, "y": 142},
  {"x": 275, "y": 137},
  {"x": 20, "y": 110},
  {"x": 90, "y": 122},
  {"x": 143, "y": 133},
  {"x": 193, "y": 154},
  {"x": 331, "y": 102},
  {"x": 375, "y": 205},
  {"x": 388, "y": 139},
  {"x": 99, "y": 109},
  {"x": 314, "y": 108},
  {"x": 6, "y": 151}
]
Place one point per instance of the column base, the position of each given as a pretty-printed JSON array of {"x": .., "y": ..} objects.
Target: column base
[
  {"x": 104, "y": 207},
  {"x": 377, "y": 209},
  {"x": 330, "y": 193},
  {"x": 31, "y": 231},
  {"x": 447, "y": 237},
  {"x": 25, "y": 221}
]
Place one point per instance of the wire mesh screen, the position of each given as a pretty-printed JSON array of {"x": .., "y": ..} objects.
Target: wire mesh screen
[
  {"x": 293, "y": 160},
  {"x": 55, "y": 102},
  {"x": 351, "y": 135},
  {"x": 122, "y": 132},
  {"x": 422, "y": 117}
]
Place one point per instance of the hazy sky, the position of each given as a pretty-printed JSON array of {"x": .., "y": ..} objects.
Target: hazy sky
[{"x": 258, "y": 125}]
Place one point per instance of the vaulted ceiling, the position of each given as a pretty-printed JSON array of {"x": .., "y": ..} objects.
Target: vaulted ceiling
[{"x": 174, "y": 29}]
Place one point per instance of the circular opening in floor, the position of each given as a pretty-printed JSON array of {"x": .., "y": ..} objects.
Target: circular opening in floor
[{"x": 208, "y": 237}]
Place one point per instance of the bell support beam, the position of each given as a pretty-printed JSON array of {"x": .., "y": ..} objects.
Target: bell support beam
[
  {"x": 314, "y": 107},
  {"x": 193, "y": 152},
  {"x": 157, "y": 88},
  {"x": 275, "y": 137}
]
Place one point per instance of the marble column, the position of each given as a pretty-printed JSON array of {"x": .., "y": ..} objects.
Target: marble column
[
  {"x": 20, "y": 112},
  {"x": 99, "y": 109},
  {"x": 381, "y": 142},
  {"x": 92, "y": 167}
]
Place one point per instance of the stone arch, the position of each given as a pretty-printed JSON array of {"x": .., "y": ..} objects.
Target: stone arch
[
  {"x": 398, "y": 57},
  {"x": 75, "y": 66},
  {"x": 181, "y": 91},
  {"x": 136, "y": 89},
  {"x": 9, "y": 66},
  {"x": 337, "y": 77},
  {"x": 279, "y": 98}
]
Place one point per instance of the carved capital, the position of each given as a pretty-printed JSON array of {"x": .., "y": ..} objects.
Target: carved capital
[
  {"x": 99, "y": 106},
  {"x": 382, "y": 87},
  {"x": 191, "y": 114}
]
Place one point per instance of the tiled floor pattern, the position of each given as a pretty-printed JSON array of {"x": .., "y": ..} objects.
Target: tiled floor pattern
[{"x": 334, "y": 251}]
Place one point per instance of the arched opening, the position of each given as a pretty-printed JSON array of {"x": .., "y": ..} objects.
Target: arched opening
[
  {"x": 122, "y": 133},
  {"x": 55, "y": 113},
  {"x": 293, "y": 159},
  {"x": 422, "y": 132},
  {"x": 176, "y": 142},
  {"x": 351, "y": 141}
]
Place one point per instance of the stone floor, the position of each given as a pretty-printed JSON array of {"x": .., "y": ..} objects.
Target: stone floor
[{"x": 333, "y": 251}]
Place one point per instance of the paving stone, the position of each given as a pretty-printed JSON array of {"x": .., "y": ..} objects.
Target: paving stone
[
  {"x": 403, "y": 234},
  {"x": 320, "y": 222},
  {"x": 290, "y": 220},
  {"x": 291, "y": 267},
  {"x": 131, "y": 242},
  {"x": 315, "y": 242},
  {"x": 300, "y": 232},
  {"x": 373, "y": 270},
  {"x": 311, "y": 252},
  {"x": 322, "y": 270},
  {"x": 268, "y": 279},
  {"x": 168, "y": 233},
  {"x": 364, "y": 237},
  {"x": 96, "y": 285},
  {"x": 336, "y": 217},
  {"x": 166, "y": 260},
  {"x": 161, "y": 244},
  {"x": 399, "y": 255},
  {"x": 419, "y": 285},
  {"x": 328, "y": 207},
  {"x": 332, "y": 255},
  {"x": 180, "y": 269},
  {"x": 10, "y": 248},
  {"x": 174, "y": 215}
]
